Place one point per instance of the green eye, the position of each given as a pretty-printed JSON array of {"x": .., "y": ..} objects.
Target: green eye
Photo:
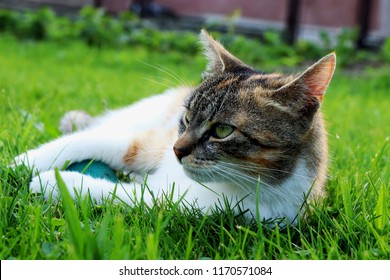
[
  {"x": 187, "y": 117},
  {"x": 222, "y": 131}
]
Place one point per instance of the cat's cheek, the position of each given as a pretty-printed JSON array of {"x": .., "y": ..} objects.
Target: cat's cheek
[
  {"x": 190, "y": 165},
  {"x": 188, "y": 162}
]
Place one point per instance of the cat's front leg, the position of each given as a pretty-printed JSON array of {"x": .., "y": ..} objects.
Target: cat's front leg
[
  {"x": 80, "y": 185},
  {"x": 108, "y": 147}
]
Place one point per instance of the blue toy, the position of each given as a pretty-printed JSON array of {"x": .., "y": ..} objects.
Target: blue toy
[{"x": 95, "y": 169}]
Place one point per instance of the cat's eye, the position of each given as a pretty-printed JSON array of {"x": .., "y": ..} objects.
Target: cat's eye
[
  {"x": 222, "y": 131},
  {"x": 187, "y": 117}
]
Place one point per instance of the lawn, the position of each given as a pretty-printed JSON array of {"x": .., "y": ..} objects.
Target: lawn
[{"x": 39, "y": 82}]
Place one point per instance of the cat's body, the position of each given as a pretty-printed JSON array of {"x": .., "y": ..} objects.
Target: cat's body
[{"x": 248, "y": 137}]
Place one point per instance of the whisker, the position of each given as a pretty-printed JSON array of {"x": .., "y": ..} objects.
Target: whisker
[
  {"x": 271, "y": 191},
  {"x": 234, "y": 168},
  {"x": 253, "y": 167},
  {"x": 166, "y": 80},
  {"x": 236, "y": 177},
  {"x": 174, "y": 74},
  {"x": 159, "y": 83},
  {"x": 166, "y": 71}
]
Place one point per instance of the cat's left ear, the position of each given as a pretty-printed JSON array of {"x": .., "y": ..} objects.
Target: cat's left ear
[
  {"x": 219, "y": 59},
  {"x": 315, "y": 80}
]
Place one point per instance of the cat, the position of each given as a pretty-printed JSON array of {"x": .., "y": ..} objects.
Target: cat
[{"x": 254, "y": 138}]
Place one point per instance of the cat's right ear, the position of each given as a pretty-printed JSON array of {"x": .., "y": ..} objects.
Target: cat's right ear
[{"x": 219, "y": 59}]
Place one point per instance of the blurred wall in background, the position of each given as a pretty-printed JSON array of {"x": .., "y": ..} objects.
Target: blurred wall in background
[{"x": 314, "y": 15}]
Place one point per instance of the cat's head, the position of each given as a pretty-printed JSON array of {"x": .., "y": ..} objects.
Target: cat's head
[{"x": 240, "y": 123}]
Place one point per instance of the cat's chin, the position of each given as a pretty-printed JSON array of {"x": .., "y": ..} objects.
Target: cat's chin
[
  {"x": 195, "y": 175},
  {"x": 198, "y": 174}
]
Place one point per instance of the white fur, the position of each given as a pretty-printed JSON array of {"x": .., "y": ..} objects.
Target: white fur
[{"x": 108, "y": 140}]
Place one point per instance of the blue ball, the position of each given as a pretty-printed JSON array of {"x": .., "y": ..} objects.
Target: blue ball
[{"x": 95, "y": 169}]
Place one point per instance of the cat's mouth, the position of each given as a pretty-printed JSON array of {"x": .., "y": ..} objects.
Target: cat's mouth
[
  {"x": 202, "y": 175},
  {"x": 200, "y": 170},
  {"x": 206, "y": 171}
]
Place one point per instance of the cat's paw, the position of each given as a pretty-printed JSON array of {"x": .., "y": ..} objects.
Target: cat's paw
[
  {"x": 33, "y": 159},
  {"x": 26, "y": 159},
  {"x": 45, "y": 184},
  {"x": 78, "y": 185}
]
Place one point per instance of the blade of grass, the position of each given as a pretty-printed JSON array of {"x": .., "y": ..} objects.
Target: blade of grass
[
  {"x": 381, "y": 209},
  {"x": 71, "y": 217}
]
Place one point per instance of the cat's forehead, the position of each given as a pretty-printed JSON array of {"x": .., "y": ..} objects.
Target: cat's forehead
[{"x": 229, "y": 90}]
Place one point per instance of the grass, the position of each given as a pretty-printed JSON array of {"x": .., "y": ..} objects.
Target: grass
[{"x": 39, "y": 82}]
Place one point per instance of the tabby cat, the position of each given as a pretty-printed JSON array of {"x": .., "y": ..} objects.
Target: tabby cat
[{"x": 254, "y": 138}]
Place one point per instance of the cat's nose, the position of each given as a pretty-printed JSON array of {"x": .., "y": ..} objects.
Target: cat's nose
[{"x": 181, "y": 152}]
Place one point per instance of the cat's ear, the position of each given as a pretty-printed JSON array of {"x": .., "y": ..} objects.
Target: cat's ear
[
  {"x": 311, "y": 84},
  {"x": 219, "y": 59},
  {"x": 315, "y": 80}
]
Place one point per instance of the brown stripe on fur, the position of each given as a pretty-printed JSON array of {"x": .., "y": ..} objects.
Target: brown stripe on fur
[
  {"x": 260, "y": 95},
  {"x": 269, "y": 164},
  {"x": 267, "y": 136},
  {"x": 261, "y": 160},
  {"x": 266, "y": 158},
  {"x": 262, "y": 99},
  {"x": 226, "y": 83},
  {"x": 240, "y": 119},
  {"x": 278, "y": 83},
  {"x": 263, "y": 77},
  {"x": 242, "y": 94}
]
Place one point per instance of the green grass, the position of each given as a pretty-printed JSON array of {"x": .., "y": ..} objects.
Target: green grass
[{"x": 39, "y": 82}]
